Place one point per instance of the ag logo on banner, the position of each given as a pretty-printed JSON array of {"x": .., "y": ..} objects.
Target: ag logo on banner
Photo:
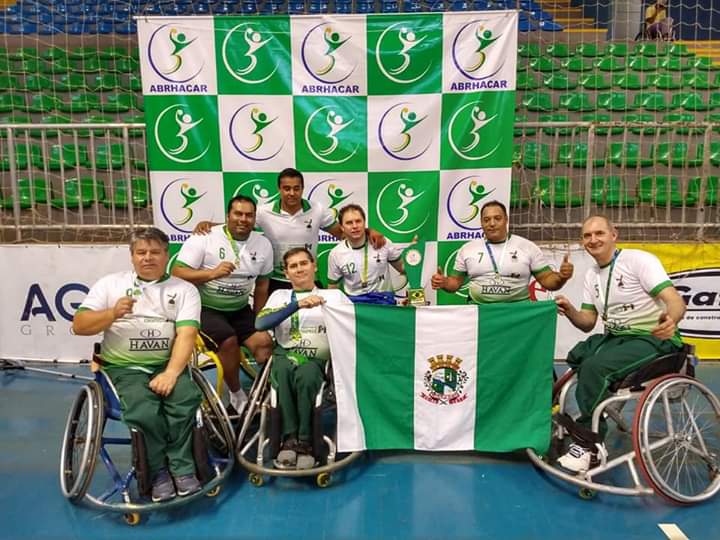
[{"x": 334, "y": 191}]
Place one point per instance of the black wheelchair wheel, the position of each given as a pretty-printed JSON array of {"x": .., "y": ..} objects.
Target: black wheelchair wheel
[
  {"x": 215, "y": 420},
  {"x": 81, "y": 442}
]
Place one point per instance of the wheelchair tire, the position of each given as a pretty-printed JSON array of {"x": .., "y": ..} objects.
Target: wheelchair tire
[
  {"x": 676, "y": 438},
  {"x": 214, "y": 417},
  {"x": 81, "y": 441}
]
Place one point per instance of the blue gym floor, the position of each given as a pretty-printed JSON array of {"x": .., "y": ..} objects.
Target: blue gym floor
[{"x": 383, "y": 495}]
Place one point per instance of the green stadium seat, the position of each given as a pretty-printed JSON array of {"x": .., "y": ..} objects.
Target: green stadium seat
[
  {"x": 714, "y": 118},
  {"x": 576, "y": 102},
  {"x": 714, "y": 152},
  {"x": 113, "y": 52},
  {"x": 556, "y": 117},
  {"x": 80, "y": 53},
  {"x": 702, "y": 63},
  {"x": 699, "y": 81},
  {"x": 118, "y": 193},
  {"x": 52, "y": 54},
  {"x": 678, "y": 49},
  {"x": 10, "y": 83},
  {"x": 683, "y": 117},
  {"x": 83, "y": 192},
  {"x": 602, "y": 117},
  {"x": 588, "y": 50},
  {"x": 139, "y": 103},
  {"x": 521, "y": 66},
  {"x": 118, "y": 65},
  {"x": 640, "y": 117},
  {"x": 613, "y": 101},
  {"x": 556, "y": 192},
  {"x": 542, "y": 64},
  {"x": 134, "y": 83},
  {"x": 89, "y": 64},
  {"x": 23, "y": 156},
  {"x": 104, "y": 82},
  {"x": 139, "y": 164},
  {"x": 559, "y": 81},
  {"x": 109, "y": 156},
  {"x": 4, "y": 65},
  {"x": 14, "y": 119},
  {"x": 80, "y": 103},
  {"x": 651, "y": 101},
  {"x": 690, "y": 101},
  {"x": 39, "y": 83},
  {"x": 67, "y": 156},
  {"x": 675, "y": 155},
  {"x": 577, "y": 64},
  {"x": 29, "y": 191},
  {"x": 611, "y": 192},
  {"x": 673, "y": 63},
  {"x": 50, "y": 119},
  {"x": 517, "y": 131},
  {"x": 593, "y": 81},
  {"x": 646, "y": 48},
  {"x": 711, "y": 191},
  {"x": 42, "y": 103},
  {"x": 95, "y": 119},
  {"x": 576, "y": 156},
  {"x": 659, "y": 191},
  {"x": 140, "y": 119},
  {"x": 609, "y": 63},
  {"x": 535, "y": 102},
  {"x": 120, "y": 102},
  {"x": 12, "y": 102},
  {"x": 56, "y": 67},
  {"x": 628, "y": 81},
  {"x": 536, "y": 156},
  {"x": 558, "y": 50},
  {"x": 71, "y": 82},
  {"x": 627, "y": 155},
  {"x": 714, "y": 102},
  {"x": 516, "y": 198},
  {"x": 641, "y": 63},
  {"x": 524, "y": 81},
  {"x": 24, "y": 53},
  {"x": 616, "y": 49},
  {"x": 664, "y": 81},
  {"x": 21, "y": 67},
  {"x": 529, "y": 50}
]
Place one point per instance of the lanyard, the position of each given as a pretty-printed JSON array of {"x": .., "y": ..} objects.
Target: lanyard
[
  {"x": 140, "y": 284},
  {"x": 492, "y": 255},
  {"x": 606, "y": 299},
  {"x": 295, "y": 333},
  {"x": 233, "y": 244}
]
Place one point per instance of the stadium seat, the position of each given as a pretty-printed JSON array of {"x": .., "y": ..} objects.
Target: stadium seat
[
  {"x": 56, "y": 66},
  {"x": 71, "y": 82},
  {"x": 651, "y": 101},
  {"x": 678, "y": 49},
  {"x": 673, "y": 63},
  {"x": 42, "y": 103},
  {"x": 52, "y": 54},
  {"x": 88, "y": 64},
  {"x": 588, "y": 50},
  {"x": 714, "y": 118},
  {"x": 109, "y": 156},
  {"x": 66, "y": 156},
  {"x": 537, "y": 102},
  {"x": 613, "y": 102},
  {"x": 29, "y": 192},
  {"x": 542, "y": 64},
  {"x": 675, "y": 155},
  {"x": 529, "y": 50},
  {"x": 133, "y": 132},
  {"x": 12, "y": 102},
  {"x": 641, "y": 63},
  {"x": 117, "y": 193},
  {"x": 683, "y": 117},
  {"x": 50, "y": 119},
  {"x": 120, "y": 102},
  {"x": 24, "y": 155},
  {"x": 714, "y": 152},
  {"x": 698, "y": 81},
  {"x": 616, "y": 49},
  {"x": 664, "y": 81},
  {"x": 14, "y": 119},
  {"x": 714, "y": 101},
  {"x": 559, "y": 81},
  {"x": 576, "y": 64},
  {"x": 576, "y": 156},
  {"x": 520, "y": 131},
  {"x": 576, "y": 102},
  {"x": 80, "y": 103},
  {"x": 535, "y": 156},
  {"x": 640, "y": 117},
  {"x": 627, "y": 155},
  {"x": 24, "y": 53},
  {"x": 10, "y": 83},
  {"x": 556, "y": 191},
  {"x": 711, "y": 191},
  {"x": 702, "y": 63},
  {"x": 83, "y": 192},
  {"x": 629, "y": 81},
  {"x": 78, "y": 53},
  {"x": 593, "y": 81},
  {"x": 659, "y": 191},
  {"x": 602, "y": 117},
  {"x": 690, "y": 101},
  {"x": 104, "y": 82},
  {"x": 558, "y": 50},
  {"x": 609, "y": 63},
  {"x": 39, "y": 83},
  {"x": 525, "y": 81},
  {"x": 556, "y": 117},
  {"x": 133, "y": 83},
  {"x": 610, "y": 191},
  {"x": 646, "y": 48}
]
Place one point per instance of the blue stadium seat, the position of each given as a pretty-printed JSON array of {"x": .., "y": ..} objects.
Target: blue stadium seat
[
  {"x": 249, "y": 8},
  {"x": 296, "y": 7},
  {"x": 436, "y": 6},
  {"x": 343, "y": 7},
  {"x": 364, "y": 7},
  {"x": 412, "y": 6}
]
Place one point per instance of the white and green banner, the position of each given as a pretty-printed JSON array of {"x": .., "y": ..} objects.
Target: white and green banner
[
  {"x": 443, "y": 377},
  {"x": 409, "y": 115}
]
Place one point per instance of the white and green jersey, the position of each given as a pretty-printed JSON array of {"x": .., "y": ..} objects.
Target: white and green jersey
[
  {"x": 500, "y": 272},
  {"x": 252, "y": 258},
  {"x": 364, "y": 269},
  {"x": 144, "y": 337},
  {"x": 624, "y": 292},
  {"x": 286, "y": 231},
  {"x": 312, "y": 340}
]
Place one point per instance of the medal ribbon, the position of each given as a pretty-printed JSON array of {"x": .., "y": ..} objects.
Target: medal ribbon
[
  {"x": 233, "y": 244},
  {"x": 606, "y": 299},
  {"x": 495, "y": 266}
]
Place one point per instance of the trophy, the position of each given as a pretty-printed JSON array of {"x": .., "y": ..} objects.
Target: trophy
[{"x": 413, "y": 257}]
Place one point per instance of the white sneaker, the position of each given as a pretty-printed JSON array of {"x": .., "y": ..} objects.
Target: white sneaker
[
  {"x": 238, "y": 400},
  {"x": 579, "y": 458}
]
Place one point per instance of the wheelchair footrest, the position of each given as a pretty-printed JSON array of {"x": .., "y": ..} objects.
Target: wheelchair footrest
[{"x": 583, "y": 436}]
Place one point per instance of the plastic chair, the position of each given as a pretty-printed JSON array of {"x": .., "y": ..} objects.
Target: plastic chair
[
  {"x": 558, "y": 50},
  {"x": 42, "y": 103},
  {"x": 646, "y": 48},
  {"x": 537, "y": 102},
  {"x": 629, "y": 81},
  {"x": 576, "y": 102},
  {"x": 559, "y": 81},
  {"x": 12, "y": 103},
  {"x": 83, "y": 192},
  {"x": 38, "y": 83},
  {"x": 556, "y": 191},
  {"x": 119, "y": 198},
  {"x": 71, "y": 82},
  {"x": 542, "y": 64},
  {"x": 664, "y": 81},
  {"x": 556, "y": 117},
  {"x": 576, "y": 64},
  {"x": 627, "y": 154},
  {"x": 520, "y": 131},
  {"x": 601, "y": 117},
  {"x": 711, "y": 191},
  {"x": 110, "y": 156},
  {"x": 613, "y": 101},
  {"x": 701, "y": 63},
  {"x": 119, "y": 103},
  {"x": 690, "y": 101},
  {"x": 659, "y": 191},
  {"x": 698, "y": 81},
  {"x": 678, "y": 49},
  {"x": 673, "y": 63},
  {"x": 641, "y": 63},
  {"x": 525, "y": 81},
  {"x": 529, "y": 50},
  {"x": 619, "y": 50},
  {"x": 640, "y": 117},
  {"x": 516, "y": 198},
  {"x": 536, "y": 156},
  {"x": 50, "y": 119},
  {"x": 683, "y": 117},
  {"x": 576, "y": 156},
  {"x": 611, "y": 192},
  {"x": 593, "y": 81},
  {"x": 588, "y": 50},
  {"x": 80, "y": 103},
  {"x": 66, "y": 156},
  {"x": 676, "y": 155},
  {"x": 651, "y": 101},
  {"x": 29, "y": 192},
  {"x": 104, "y": 82},
  {"x": 10, "y": 83}
]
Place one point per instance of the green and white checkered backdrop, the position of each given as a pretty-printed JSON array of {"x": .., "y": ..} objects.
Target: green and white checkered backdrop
[{"x": 410, "y": 116}]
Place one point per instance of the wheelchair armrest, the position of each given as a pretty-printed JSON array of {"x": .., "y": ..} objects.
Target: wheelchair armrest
[{"x": 677, "y": 362}]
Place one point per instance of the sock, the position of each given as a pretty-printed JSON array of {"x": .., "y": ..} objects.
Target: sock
[{"x": 238, "y": 400}]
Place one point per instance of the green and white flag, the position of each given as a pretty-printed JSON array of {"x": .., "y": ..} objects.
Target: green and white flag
[{"x": 443, "y": 377}]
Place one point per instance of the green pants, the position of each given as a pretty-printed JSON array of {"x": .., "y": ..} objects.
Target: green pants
[
  {"x": 605, "y": 358},
  {"x": 165, "y": 422},
  {"x": 297, "y": 386}
]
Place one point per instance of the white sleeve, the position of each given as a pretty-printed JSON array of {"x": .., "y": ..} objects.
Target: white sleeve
[
  {"x": 189, "y": 308},
  {"x": 334, "y": 272},
  {"x": 589, "y": 296},
  {"x": 460, "y": 266},
  {"x": 651, "y": 273},
  {"x": 192, "y": 252},
  {"x": 394, "y": 251},
  {"x": 268, "y": 251},
  {"x": 98, "y": 298},
  {"x": 538, "y": 261}
]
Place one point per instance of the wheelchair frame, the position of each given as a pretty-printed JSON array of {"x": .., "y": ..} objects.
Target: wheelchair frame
[
  {"x": 663, "y": 391},
  {"x": 259, "y": 404},
  {"x": 97, "y": 403}
]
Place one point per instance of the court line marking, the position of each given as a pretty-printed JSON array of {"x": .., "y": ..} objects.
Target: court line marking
[{"x": 672, "y": 531}]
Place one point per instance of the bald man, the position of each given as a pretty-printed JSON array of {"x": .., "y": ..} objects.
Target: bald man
[{"x": 640, "y": 308}]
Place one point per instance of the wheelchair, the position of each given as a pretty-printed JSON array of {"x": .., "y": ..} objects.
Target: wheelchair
[
  {"x": 86, "y": 439},
  {"x": 259, "y": 435},
  {"x": 672, "y": 421}
]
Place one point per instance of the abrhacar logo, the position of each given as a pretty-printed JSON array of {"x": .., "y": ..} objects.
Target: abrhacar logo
[
  {"x": 167, "y": 51},
  {"x": 466, "y": 130},
  {"x": 397, "y": 51},
  {"x": 464, "y": 201},
  {"x": 248, "y": 133},
  {"x": 397, "y": 207},
  {"x": 331, "y": 194},
  {"x": 177, "y": 203},
  {"x": 324, "y": 135},
  {"x": 397, "y": 134},
  {"x": 470, "y": 48},
  {"x": 171, "y": 134},
  {"x": 257, "y": 189},
  {"x": 256, "y": 64},
  {"x": 321, "y": 54}
]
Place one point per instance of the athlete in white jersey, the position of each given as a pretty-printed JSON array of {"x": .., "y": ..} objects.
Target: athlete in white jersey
[
  {"x": 500, "y": 266},
  {"x": 149, "y": 322},
  {"x": 636, "y": 300},
  {"x": 225, "y": 265},
  {"x": 298, "y": 365},
  {"x": 360, "y": 268}
]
